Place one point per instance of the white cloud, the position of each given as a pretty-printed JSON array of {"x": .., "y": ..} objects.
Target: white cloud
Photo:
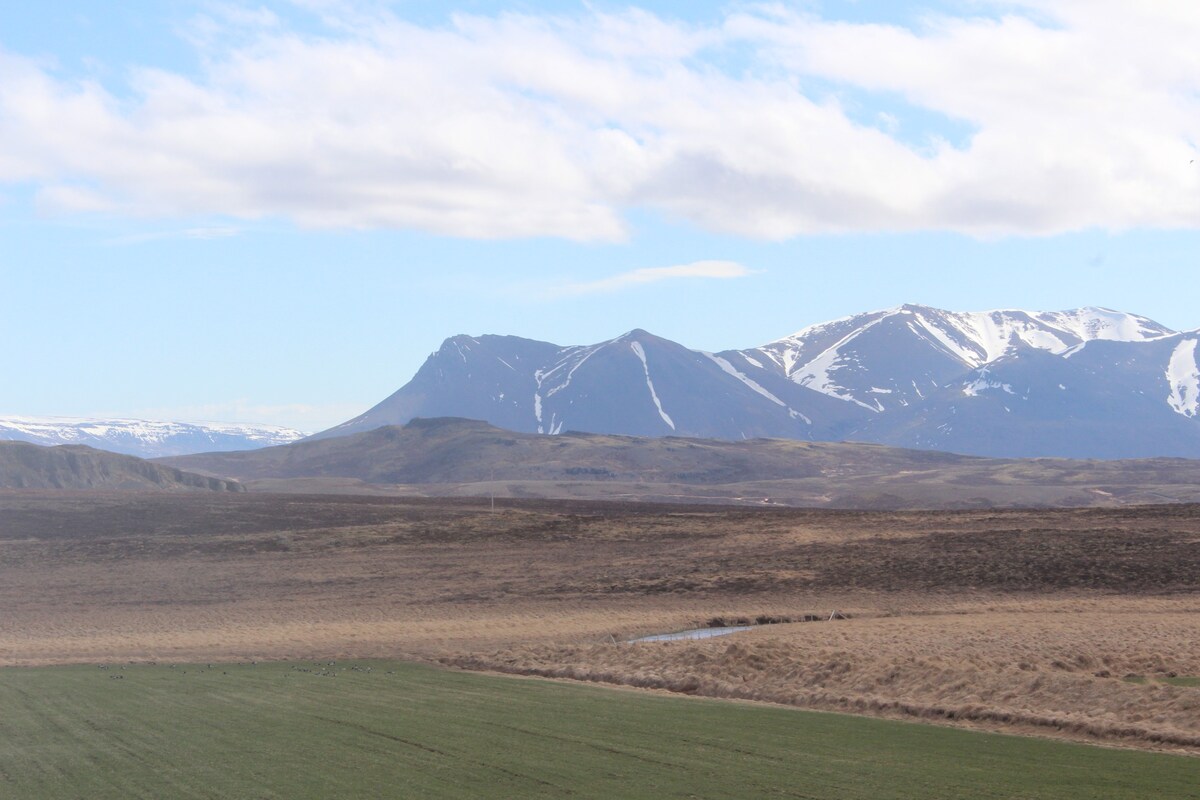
[
  {"x": 64, "y": 199},
  {"x": 1082, "y": 114},
  {"x": 697, "y": 269}
]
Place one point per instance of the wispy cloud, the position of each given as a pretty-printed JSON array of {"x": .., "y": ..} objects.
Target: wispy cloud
[
  {"x": 638, "y": 277},
  {"x": 186, "y": 233}
]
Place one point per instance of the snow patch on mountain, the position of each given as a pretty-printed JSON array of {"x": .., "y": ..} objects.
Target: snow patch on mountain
[
  {"x": 1092, "y": 323},
  {"x": 1183, "y": 375},
  {"x": 144, "y": 438},
  {"x": 570, "y": 360},
  {"x": 977, "y": 337},
  {"x": 638, "y": 350},
  {"x": 983, "y": 384},
  {"x": 817, "y": 374},
  {"x": 537, "y": 405},
  {"x": 753, "y": 362},
  {"x": 980, "y": 337},
  {"x": 966, "y": 348},
  {"x": 753, "y": 385},
  {"x": 575, "y": 358},
  {"x": 730, "y": 369}
]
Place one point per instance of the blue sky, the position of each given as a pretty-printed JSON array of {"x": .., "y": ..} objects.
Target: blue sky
[{"x": 273, "y": 211}]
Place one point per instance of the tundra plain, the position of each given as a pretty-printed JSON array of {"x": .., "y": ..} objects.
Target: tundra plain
[{"x": 1082, "y": 624}]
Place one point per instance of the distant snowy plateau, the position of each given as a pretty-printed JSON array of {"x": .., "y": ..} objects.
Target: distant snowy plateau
[
  {"x": 1088, "y": 383},
  {"x": 143, "y": 438}
]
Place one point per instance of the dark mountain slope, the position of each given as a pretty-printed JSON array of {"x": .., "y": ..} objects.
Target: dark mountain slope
[
  {"x": 455, "y": 456},
  {"x": 30, "y": 466}
]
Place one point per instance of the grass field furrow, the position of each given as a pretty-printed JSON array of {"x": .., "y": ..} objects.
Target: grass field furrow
[{"x": 271, "y": 731}]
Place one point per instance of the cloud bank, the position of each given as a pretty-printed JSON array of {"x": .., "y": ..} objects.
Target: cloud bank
[{"x": 770, "y": 123}]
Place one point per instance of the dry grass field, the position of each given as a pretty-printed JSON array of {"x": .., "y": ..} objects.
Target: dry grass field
[{"x": 1081, "y": 623}]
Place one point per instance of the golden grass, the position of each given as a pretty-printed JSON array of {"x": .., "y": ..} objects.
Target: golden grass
[
  {"x": 1023, "y": 620},
  {"x": 1054, "y": 669}
]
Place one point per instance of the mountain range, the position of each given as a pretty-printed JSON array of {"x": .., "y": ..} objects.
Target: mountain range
[
  {"x": 1087, "y": 383},
  {"x": 143, "y": 438}
]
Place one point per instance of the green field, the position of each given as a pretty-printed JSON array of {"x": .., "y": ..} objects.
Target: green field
[{"x": 273, "y": 731}]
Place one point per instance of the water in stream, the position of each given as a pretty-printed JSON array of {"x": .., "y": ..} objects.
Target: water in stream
[{"x": 698, "y": 633}]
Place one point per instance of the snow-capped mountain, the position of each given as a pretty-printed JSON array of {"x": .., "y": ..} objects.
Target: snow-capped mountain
[
  {"x": 891, "y": 359},
  {"x": 142, "y": 438},
  {"x": 637, "y": 384},
  {"x": 978, "y": 382},
  {"x": 1104, "y": 399}
]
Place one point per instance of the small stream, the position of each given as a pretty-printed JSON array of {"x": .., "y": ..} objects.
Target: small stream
[{"x": 697, "y": 633}]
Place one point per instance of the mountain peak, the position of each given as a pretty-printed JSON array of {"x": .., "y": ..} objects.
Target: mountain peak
[
  {"x": 639, "y": 333},
  {"x": 912, "y": 374}
]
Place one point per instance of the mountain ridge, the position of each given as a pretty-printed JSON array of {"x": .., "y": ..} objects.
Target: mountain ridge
[
  {"x": 143, "y": 438},
  {"x": 894, "y": 376},
  {"x": 30, "y": 466}
]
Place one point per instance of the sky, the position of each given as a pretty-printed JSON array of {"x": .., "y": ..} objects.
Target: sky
[{"x": 274, "y": 211}]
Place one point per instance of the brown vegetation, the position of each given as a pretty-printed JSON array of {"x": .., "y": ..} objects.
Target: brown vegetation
[
  {"x": 464, "y": 458},
  {"x": 1061, "y": 670},
  {"x": 31, "y": 466},
  {"x": 1034, "y": 620}
]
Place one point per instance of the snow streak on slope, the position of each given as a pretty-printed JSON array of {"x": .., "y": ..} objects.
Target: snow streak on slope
[
  {"x": 817, "y": 374},
  {"x": 1183, "y": 375},
  {"x": 537, "y": 405},
  {"x": 729, "y": 369},
  {"x": 965, "y": 351},
  {"x": 587, "y": 352},
  {"x": 755, "y": 386},
  {"x": 637, "y": 348},
  {"x": 573, "y": 359}
]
